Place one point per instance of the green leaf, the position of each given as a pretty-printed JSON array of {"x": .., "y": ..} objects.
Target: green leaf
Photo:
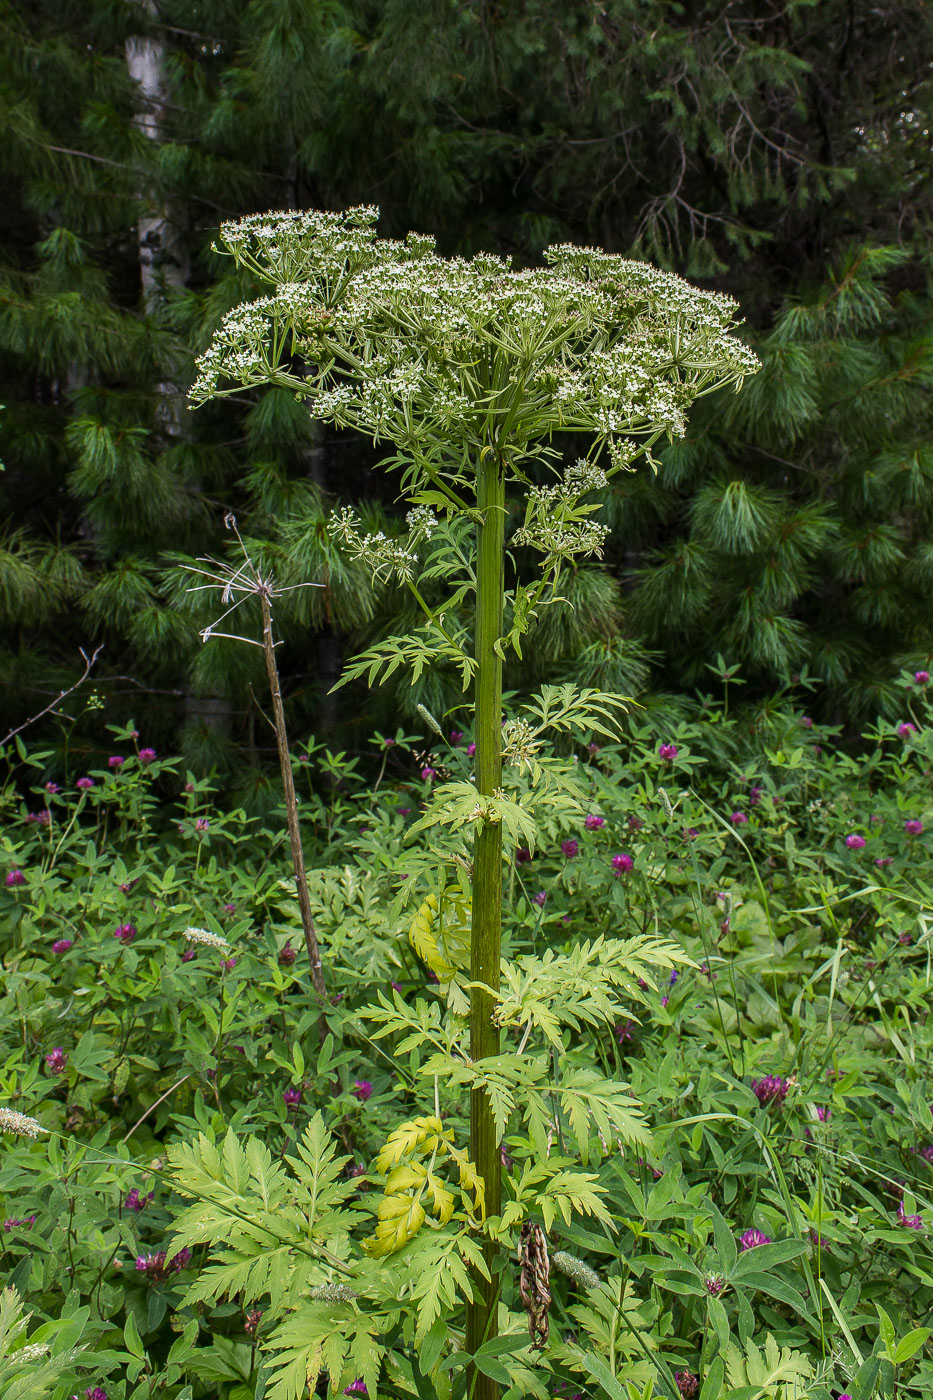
[
  {"x": 726, "y": 1247},
  {"x": 888, "y": 1331},
  {"x": 765, "y": 1256},
  {"x": 712, "y": 1384},
  {"x": 492, "y": 1368},
  {"x": 602, "y": 1375},
  {"x": 432, "y": 1346},
  {"x": 775, "y": 1287},
  {"x": 720, "y": 1322},
  {"x": 909, "y": 1346},
  {"x": 131, "y": 1337}
]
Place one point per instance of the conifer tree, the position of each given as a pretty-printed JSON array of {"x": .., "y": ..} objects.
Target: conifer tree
[{"x": 767, "y": 150}]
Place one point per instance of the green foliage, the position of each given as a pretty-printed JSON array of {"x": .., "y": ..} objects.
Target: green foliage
[{"x": 796, "y": 955}]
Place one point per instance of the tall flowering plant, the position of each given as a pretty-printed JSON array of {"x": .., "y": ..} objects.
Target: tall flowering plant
[{"x": 467, "y": 369}]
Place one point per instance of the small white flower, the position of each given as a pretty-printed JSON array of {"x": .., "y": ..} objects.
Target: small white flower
[
  {"x": 13, "y": 1122},
  {"x": 204, "y": 935},
  {"x": 30, "y": 1353}
]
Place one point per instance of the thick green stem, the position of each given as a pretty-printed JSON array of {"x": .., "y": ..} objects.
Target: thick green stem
[{"x": 487, "y": 884}]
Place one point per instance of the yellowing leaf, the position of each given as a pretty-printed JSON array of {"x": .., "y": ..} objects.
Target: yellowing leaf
[
  {"x": 420, "y": 1133},
  {"x": 442, "y": 1201},
  {"x": 470, "y": 1179},
  {"x": 408, "y": 1177},
  {"x": 440, "y": 933},
  {"x": 400, "y": 1219}
]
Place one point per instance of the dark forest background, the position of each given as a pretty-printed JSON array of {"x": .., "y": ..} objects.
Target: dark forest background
[{"x": 778, "y": 150}]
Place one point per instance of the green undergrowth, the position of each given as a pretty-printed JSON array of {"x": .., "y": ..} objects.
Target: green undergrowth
[{"x": 782, "y": 1069}]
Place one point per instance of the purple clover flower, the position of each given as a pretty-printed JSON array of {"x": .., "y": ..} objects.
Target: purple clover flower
[
  {"x": 905, "y": 729},
  {"x": 15, "y": 878},
  {"x": 823, "y": 1113},
  {"x": 125, "y": 933},
  {"x": 228, "y": 964},
  {"x": 287, "y": 955},
  {"x": 855, "y": 842},
  {"x": 570, "y": 848},
  {"x": 668, "y": 752},
  {"x": 910, "y": 1222},
  {"x": 456, "y": 737},
  {"x": 624, "y": 1031},
  {"x": 83, "y": 784},
  {"x": 754, "y": 796},
  {"x": 156, "y": 1269},
  {"x": 291, "y": 1097},
  {"x": 61, "y": 945},
  {"x": 115, "y": 761},
  {"x": 12, "y": 1223},
  {"x": 914, "y": 827},
  {"x": 592, "y": 822},
  {"x": 770, "y": 1089},
  {"x": 540, "y": 898},
  {"x": 622, "y": 862},
  {"x": 739, "y": 818},
  {"x": 362, "y": 1090},
  {"x": 522, "y": 855},
  {"x": 752, "y": 1239},
  {"x": 921, "y": 677},
  {"x": 147, "y": 755},
  {"x": 56, "y": 1060},
  {"x": 137, "y": 1200},
  {"x": 714, "y": 1284},
  {"x": 95, "y": 1392},
  {"x": 357, "y": 1387},
  {"x": 884, "y": 860},
  {"x": 688, "y": 1384},
  {"x": 188, "y": 954},
  {"x": 471, "y": 749},
  {"x": 52, "y": 787},
  {"x": 202, "y": 824},
  {"x": 428, "y": 773},
  {"x": 806, "y": 721}
]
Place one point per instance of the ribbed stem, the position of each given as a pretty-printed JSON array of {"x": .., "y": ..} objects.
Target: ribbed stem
[{"x": 487, "y": 884}]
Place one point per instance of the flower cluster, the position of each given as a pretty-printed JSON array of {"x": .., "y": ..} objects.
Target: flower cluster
[
  {"x": 19, "y": 1123},
  {"x": 394, "y": 333},
  {"x": 210, "y": 940},
  {"x": 156, "y": 1269},
  {"x": 752, "y": 1239},
  {"x": 771, "y": 1089}
]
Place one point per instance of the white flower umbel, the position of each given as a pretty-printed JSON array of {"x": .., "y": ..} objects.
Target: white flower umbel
[
  {"x": 19, "y": 1123},
  {"x": 413, "y": 348},
  {"x": 204, "y": 935}
]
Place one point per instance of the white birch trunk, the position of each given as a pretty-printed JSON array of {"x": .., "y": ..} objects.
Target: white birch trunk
[{"x": 163, "y": 260}]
